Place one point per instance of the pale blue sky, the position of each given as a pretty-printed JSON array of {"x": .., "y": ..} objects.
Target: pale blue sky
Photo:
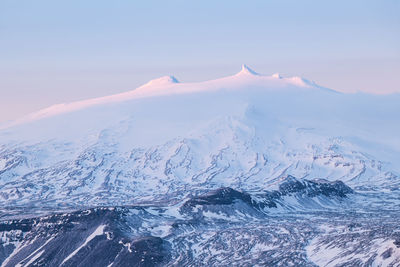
[{"x": 61, "y": 51}]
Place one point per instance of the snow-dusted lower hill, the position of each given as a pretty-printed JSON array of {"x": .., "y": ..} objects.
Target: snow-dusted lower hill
[{"x": 244, "y": 170}]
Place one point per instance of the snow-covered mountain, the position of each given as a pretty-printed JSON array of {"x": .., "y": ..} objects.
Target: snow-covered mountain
[{"x": 262, "y": 145}]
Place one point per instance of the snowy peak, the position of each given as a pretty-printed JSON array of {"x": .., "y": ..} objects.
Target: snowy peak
[
  {"x": 249, "y": 75},
  {"x": 164, "y": 80},
  {"x": 247, "y": 71},
  {"x": 169, "y": 85},
  {"x": 276, "y": 76}
]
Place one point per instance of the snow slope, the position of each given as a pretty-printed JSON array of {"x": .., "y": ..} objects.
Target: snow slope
[{"x": 167, "y": 139}]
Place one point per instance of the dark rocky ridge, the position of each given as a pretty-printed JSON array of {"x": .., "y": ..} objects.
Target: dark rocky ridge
[
  {"x": 290, "y": 186},
  {"x": 313, "y": 188},
  {"x": 58, "y": 236}
]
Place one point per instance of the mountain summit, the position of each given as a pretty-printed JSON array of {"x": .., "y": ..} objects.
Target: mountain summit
[
  {"x": 165, "y": 80},
  {"x": 247, "y": 71},
  {"x": 169, "y": 85}
]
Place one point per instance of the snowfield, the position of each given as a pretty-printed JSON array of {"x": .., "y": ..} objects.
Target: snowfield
[
  {"x": 277, "y": 147},
  {"x": 245, "y": 131}
]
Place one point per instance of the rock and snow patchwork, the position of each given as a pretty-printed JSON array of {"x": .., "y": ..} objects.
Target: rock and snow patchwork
[
  {"x": 99, "y": 231},
  {"x": 356, "y": 246},
  {"x": 221, "y": 227},
  {"x": 96, "y": 237}
]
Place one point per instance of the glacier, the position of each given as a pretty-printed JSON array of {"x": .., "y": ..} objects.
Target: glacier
[{"x": 247, "y": 169}]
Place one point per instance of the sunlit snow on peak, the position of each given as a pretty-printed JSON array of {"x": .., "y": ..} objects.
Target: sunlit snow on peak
[
  {"x": 247, "y": 71},
  {"x": 165, "y": 80},
  {"x": 277, "y": 76},
  {"x": 169, "y": 86}
]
